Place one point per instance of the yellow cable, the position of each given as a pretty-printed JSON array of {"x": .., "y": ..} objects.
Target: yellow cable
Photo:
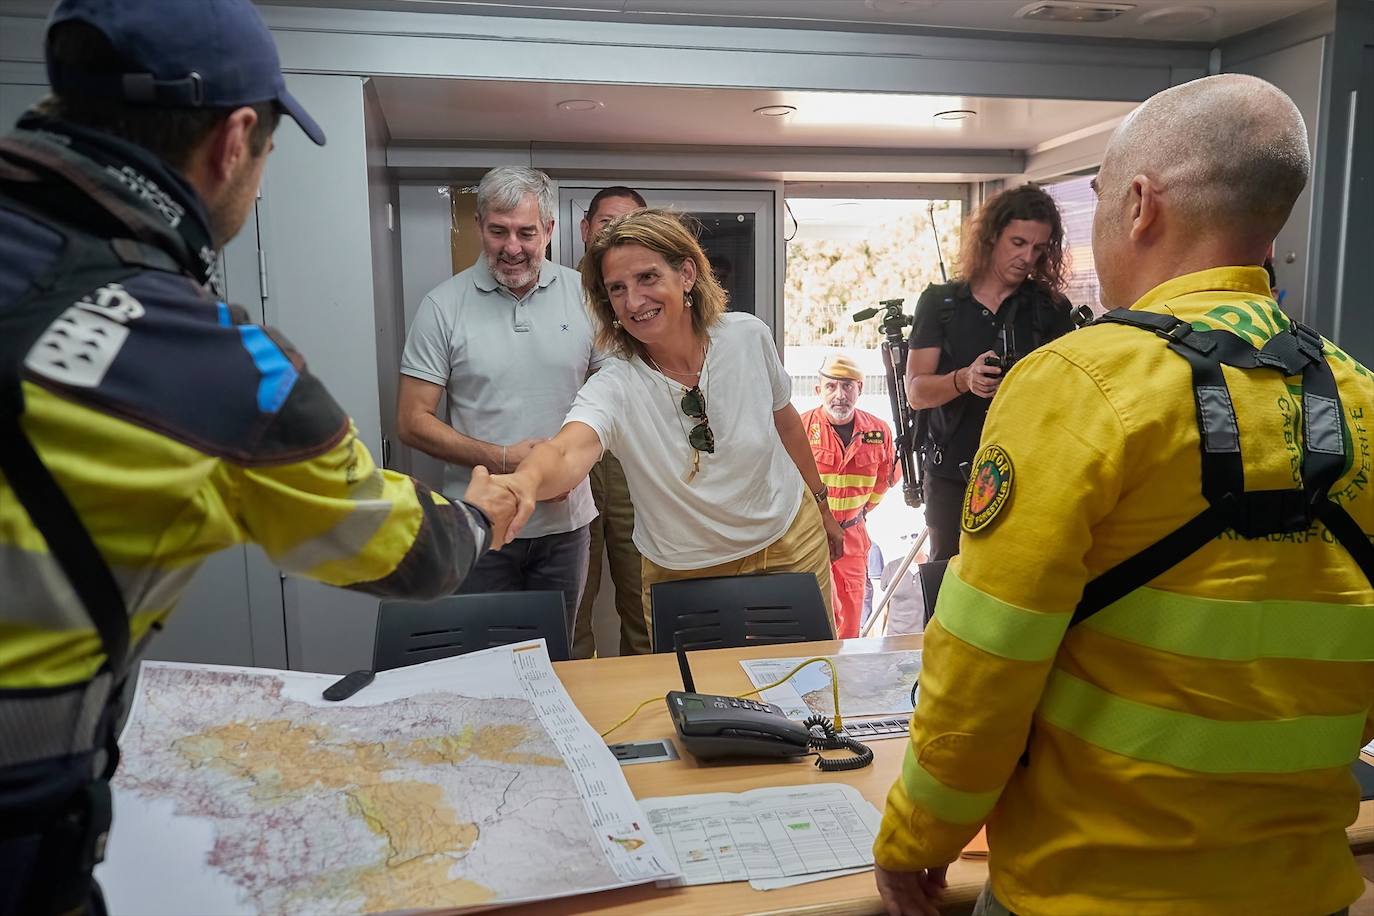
[
  {"x": 630, "y": 716},
  {"x": 834, "y": 688}
]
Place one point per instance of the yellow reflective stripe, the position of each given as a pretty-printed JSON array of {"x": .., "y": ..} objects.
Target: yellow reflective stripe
[
  {"x": 1195, "y": 743},
  {"x": 1240, "y": 630},
  {"x": 953, "y": 805},
  {"x": 848, "y": 480},
  {"x": 841, "y": 503},
  {"x": 995, "y": 626}
]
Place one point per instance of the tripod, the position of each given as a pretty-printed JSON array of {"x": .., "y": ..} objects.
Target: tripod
[{"x": 909, "y": 433}]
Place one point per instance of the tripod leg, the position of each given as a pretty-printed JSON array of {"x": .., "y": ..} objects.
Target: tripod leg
[{"x": 880, "y": 612}]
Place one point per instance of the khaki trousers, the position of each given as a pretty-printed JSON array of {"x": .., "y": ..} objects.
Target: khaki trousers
[
  {"x": 612, "y": 529},
  {"x": 803, "y": 548}
]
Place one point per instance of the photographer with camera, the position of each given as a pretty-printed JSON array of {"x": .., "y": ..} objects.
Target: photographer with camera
[{"x": 1006, "y": 300}]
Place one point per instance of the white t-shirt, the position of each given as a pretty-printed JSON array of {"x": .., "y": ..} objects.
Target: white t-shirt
[{"x": 746, "y": 493}]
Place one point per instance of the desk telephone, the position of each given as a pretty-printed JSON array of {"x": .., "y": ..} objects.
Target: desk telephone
[{"x": 711, "y": 726}]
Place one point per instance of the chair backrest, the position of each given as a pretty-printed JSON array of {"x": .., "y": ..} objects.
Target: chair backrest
[
  {"x": 410, "y": 632},
  {"x": 733, "y": 611},
  {"x": 931, "y": 575}
]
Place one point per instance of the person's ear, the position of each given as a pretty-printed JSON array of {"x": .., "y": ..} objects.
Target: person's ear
[
  {"x": 688, "y": 271},
  {"x": 229, "y": 144},
  {"x": 1144, "y": 202}
]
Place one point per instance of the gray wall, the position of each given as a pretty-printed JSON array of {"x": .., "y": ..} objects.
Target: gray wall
[
  {"x": 317, "y": 239},
  {"x": 1330, "y": 50},
  {"x": 1297, "y": 70},
  {"x": 1346, "y": 227},
  {"x": 383, "y": 204},
  {"x": 426, "y": 261}
]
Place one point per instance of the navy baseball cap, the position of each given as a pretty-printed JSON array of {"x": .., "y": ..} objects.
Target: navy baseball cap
[{"x": 181, "y": 54}]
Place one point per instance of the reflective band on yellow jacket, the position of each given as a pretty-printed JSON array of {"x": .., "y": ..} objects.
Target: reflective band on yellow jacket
[{"x": 1188, "y": 748}]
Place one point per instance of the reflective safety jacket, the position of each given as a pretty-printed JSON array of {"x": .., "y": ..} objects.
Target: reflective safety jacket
[
  {"x": 1186, "y": 750},
  {"x": 175, "y": 428},
  {"x": 858, "y": 474}
]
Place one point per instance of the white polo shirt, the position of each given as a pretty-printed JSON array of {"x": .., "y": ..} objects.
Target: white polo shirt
[{"x": 511, "y": 366}]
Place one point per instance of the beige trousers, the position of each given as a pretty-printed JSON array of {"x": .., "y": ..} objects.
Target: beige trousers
[
  {"x": 803, "y": 548},
  {"x": 612, "y": 530}
]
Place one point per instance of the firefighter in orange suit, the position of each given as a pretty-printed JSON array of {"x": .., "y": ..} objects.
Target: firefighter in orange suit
[{"x": 854, "y": 453}]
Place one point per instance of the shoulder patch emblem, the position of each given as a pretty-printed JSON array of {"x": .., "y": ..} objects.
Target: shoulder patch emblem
[
  {"x": 989, "y": 488},
  {"x": 814, "y": 434},
  {"x": 874, "y": 437}
]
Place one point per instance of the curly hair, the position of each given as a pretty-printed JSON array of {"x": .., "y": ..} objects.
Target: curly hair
[
  {"x": 1028, "y": 202},
  {"x": 666, "y": 234}
]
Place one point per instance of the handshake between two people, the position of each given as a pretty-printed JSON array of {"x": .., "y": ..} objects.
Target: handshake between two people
[{"x": 507, "y": 499}]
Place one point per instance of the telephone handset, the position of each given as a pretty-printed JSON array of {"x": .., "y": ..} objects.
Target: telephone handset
[{"x": 717, "y": 726}]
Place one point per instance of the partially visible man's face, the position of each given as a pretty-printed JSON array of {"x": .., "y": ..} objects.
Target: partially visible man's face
[
  {"x": 1110, "y": 242},
  {"x": 839, "y": 397},
  {"x": 514, "y": 243},
  {"x": 229, "y": 208},
  {"x": 607, "y": 210},
  {"x": 1019, "y": 248}
]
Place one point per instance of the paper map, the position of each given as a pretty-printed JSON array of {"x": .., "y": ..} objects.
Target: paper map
[
  {"x": 437, "y": 786},
  {"x": 871, "y": 684}
]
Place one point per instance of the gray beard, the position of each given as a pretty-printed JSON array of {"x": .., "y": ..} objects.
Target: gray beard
[
  {"x": 832, "y": 418},
  {"x": 530, "y": 274}
]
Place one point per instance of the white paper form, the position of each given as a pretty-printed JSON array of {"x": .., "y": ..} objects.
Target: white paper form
[{"x": 770, "y": 833}]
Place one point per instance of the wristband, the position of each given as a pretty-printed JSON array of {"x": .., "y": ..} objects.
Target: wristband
[
  {"x": 955, "y": 378},
  {"x": 503, "y": 454}
]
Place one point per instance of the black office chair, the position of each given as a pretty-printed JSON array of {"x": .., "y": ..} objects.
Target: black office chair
[
  {"x": 410, "y": 632},
  {"x": 931, "y": 574},
  {"x": 733, "y": 611}
]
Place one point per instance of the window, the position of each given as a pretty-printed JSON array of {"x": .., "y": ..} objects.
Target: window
[{"x": 1077, "y": 204}]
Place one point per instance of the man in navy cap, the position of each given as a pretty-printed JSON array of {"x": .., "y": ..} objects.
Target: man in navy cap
[{"x": 146, "y": 424}]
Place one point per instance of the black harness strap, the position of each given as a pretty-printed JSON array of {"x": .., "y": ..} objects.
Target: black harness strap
[
  {"x": 84, "y": 265},
  {"x": 1255, "y": 513}
]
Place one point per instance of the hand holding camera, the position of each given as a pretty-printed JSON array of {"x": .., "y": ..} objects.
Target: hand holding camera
[{"x": 983, "y": 375}]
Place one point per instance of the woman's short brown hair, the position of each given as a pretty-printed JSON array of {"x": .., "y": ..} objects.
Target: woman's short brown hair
[
  {"x": 662, "y": 232},
  {"x": 1028, "y": 202}
]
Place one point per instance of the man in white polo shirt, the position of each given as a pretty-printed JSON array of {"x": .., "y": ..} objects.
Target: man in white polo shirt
[{"x": 510, "y": 341}]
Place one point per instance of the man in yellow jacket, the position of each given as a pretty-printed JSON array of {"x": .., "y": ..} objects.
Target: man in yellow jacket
[{"x": 1187, "y": 749}]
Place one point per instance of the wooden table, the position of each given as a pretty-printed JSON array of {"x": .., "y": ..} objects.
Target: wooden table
[{"x": 606, "y": 689}]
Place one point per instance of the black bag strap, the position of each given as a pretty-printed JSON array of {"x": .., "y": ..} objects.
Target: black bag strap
[
  {"x": 1230, "y": 506},
  {"x": 86, "y": 262}
]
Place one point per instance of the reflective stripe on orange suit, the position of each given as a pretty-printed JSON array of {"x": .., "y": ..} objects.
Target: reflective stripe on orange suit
[{"x": 858, "y": 475}]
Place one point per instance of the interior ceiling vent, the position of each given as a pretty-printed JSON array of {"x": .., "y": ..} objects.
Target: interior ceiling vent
[{"x": 1068, "y": 11}]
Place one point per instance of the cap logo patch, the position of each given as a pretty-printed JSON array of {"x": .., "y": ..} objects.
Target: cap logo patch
[{"x": 989, "y": 488}]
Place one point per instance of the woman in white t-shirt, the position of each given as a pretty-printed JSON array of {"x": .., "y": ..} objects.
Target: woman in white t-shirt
[{"x": 697, "y": 408}]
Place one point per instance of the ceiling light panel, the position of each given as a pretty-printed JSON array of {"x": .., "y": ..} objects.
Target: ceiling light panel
[{"x": 1070, "y": 11}]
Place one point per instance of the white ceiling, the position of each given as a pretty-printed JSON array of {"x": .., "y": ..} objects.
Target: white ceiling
[
  {"x": 1143, "y": 21},
  {"x": 434, "y": 109}
]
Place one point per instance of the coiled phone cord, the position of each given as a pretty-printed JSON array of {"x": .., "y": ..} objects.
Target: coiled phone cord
[{"x": 830, "y": 740}]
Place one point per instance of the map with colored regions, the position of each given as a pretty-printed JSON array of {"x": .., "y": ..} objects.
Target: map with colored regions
[
  {"x": 469, "y": 781},
  {"x": 871, "y": 684}
]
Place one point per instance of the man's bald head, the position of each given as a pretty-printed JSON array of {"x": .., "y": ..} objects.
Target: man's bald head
[{"x": 1229, "y": 153}]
